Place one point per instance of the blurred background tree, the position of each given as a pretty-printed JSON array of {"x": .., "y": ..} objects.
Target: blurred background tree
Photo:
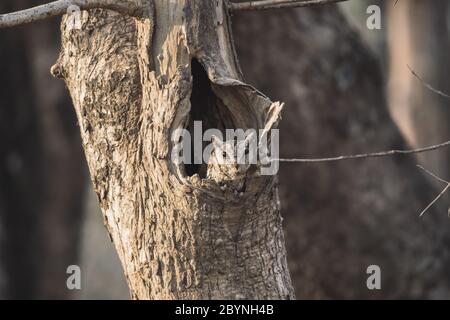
[
  {"x": 418, "y": 36},
  {"x": 42, "y": 172},
  {"x": 343, "y": 217}
]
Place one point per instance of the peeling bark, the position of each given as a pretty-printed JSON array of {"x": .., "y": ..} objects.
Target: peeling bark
[{"x": 178, "y": 236}]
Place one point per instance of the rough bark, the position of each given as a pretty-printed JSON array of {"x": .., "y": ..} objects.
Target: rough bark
[
  {"x": 342, "y": 217},
  {"x": 42, "y": 172},
  {"x": 178, "y": 236},
  {"x": 418, "y": 37}
]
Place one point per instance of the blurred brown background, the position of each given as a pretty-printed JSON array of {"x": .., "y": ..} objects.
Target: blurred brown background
[{"x": 348, "y": 90}]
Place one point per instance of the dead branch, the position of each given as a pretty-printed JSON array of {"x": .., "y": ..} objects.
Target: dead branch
[
  {"x": 440, "y": 195},
  {"x": 134, "y": 8},
  {"x": 435, "y": 200},
  {"x": 278, "y": 4},
  {"x": 58, "y": 8},
  {"x": 433, "y": 175},
  {"x": 427, "y": 85},
  {"x": 369, "y": 155}
]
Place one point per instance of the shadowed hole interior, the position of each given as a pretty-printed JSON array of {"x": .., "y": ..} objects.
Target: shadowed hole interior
[{"x": 206, "y": 108}]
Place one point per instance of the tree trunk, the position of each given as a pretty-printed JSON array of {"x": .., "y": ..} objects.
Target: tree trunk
[
  {"x": 418, "y": 32},
  {"x": 179, "y": 235},
  {"x": 343, "y": 217}
]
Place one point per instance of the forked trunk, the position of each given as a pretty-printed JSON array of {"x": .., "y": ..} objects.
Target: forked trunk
[{"x": 179, "y": 234}]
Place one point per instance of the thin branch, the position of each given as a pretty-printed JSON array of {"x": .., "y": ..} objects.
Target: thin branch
[
  {"x": 440, "y": 195},
  {"x": 58, "y": 8},
  {"x": 368, "y": 155},
  {"x": 427, "y": 85},
  {"x": 433, "y": 175},
  {"x": 132, "y": 8},
  {"x": 435, "y": 200},
  {"x": 278, "y": 4}
]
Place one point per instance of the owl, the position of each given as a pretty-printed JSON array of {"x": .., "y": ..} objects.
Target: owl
[{"x": 229, "y": 162}]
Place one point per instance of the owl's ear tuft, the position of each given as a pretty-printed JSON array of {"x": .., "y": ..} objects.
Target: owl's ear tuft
[
  {"x": 217, "y": 143},
  {"x": 250, "y": 138}
]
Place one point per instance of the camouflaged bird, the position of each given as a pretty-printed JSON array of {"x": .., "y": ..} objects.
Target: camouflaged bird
[{"x": 229, "y": 162}]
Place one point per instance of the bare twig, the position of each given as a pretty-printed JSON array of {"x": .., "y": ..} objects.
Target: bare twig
[
  {"x": 369, "y": 155},
  {"x": 58, "y": 8},
  {"x": 433, "y": 175},
  {"x": 385, "y": 154},
  {"x": 278, "y": 4},
  {"x": 428, "y": 86},
  {"x": 435, "y": 200},
  {"x": 440, "y": 195}
]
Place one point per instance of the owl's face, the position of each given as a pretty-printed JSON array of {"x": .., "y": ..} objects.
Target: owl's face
[{"x": 231, "y": 158}]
